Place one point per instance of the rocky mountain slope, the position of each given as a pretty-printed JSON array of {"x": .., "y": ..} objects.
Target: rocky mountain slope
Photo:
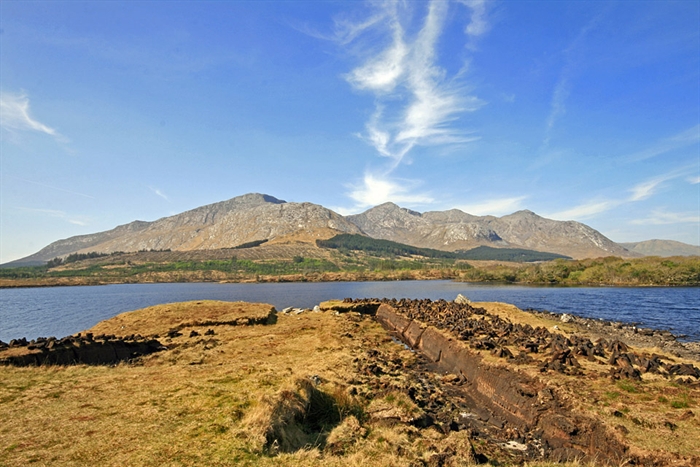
[
  {"x": 455, "y": 230},
  {"x": 261, "y": 217},
  {"x": 220, "y": 225},
  {"x": 662, "y": 248}
]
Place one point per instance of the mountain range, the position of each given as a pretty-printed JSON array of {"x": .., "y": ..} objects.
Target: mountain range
[{"x": 254, "y": 216}]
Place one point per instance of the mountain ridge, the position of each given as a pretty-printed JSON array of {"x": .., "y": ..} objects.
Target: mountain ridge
[{"x": 256, "y": 216}]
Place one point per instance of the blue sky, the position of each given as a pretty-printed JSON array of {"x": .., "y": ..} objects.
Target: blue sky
[{"x": 117, "y": 111}]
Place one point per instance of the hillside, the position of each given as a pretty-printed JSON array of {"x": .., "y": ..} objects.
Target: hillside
[
  {"x": 455, "y": 230},
  {"x": 663, "y": 248},
  {"x": 256, "y": 217},
  {"x": 220, "y": 225}
]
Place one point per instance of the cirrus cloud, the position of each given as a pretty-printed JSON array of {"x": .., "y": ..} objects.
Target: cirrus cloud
[
  {"x": 416, "y": 102},
  {"x": 16, "y": 116}
]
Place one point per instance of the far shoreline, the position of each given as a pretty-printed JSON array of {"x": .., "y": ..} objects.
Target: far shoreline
[{"x": 365, "y": 277}]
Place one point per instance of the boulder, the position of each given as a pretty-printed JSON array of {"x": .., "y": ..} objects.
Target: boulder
[{"x": 462, "y": 300}]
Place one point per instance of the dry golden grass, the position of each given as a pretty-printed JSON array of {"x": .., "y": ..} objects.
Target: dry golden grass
[
  {"x": 159, "y": 319},
  {"x": 212, "y": 400},
  {"x": 191, "y": 405},
  {"x": 179, "y": 407}
]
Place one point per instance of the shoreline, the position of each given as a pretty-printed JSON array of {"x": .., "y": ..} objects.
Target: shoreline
[
  {"x": 645, "y": 337},
  {"x": 325, "y": 277}
]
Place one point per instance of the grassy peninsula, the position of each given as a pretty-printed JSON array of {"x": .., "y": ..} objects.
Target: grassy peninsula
[{"x": 327, "y": 388}]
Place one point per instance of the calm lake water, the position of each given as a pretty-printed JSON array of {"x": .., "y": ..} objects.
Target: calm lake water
[{"x": 60, "y": 311}]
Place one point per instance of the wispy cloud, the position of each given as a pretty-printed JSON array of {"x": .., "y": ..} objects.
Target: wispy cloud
[
  {"x": 49, "y": 212},
  {"x": 694, "y": 180},
  {"x": 494, "y": 206},
  {"x": 51, "y": 187},
  {"x": 644, "y": 190},
  {"x": 77, "y": 220},
  {"x": 585, "y": 210},
  {"x": 640, "y": 192},
  {"x": 377, "y": 189},
  {"x": 680, "y": 140},
  {"x": 416, "y": 102},
  {"x": 15, "y": 115},
  {"x": 562, "y": 88},
  {"x": 558, "y": 105},
  {"x": 478, "y": 24},
  {"x": 664, "y": 217},
  {"x": 159, "y": 193}
]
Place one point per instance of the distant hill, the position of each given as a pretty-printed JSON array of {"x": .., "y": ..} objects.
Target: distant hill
[
  {"x": 252, "y": 218},
  {"x": 662, "y": 248}
]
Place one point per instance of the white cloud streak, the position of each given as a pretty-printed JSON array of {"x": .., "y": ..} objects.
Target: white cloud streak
[
  {"x": 15, "y": 115},
  {"x": 377, "y": 189},
  {"x": 494, "y": 207},
  {"x": 562, "y": 88},
  {"x": 57, "y": 214},
  {"x": 159, "y": 193},
  {"x": 694, "y": 180},
  {"x": 416, "y": 104},
  {"x": 585, "y": 210},
  {"x": 644, "y": 190},
  {"x": 52, "y": 187},
  {"x": 665, "y": 217},
  {"x": 678, "y": 141},
  {"x": 639, "y": 192},
  {"x": 50, "y": 212},
  {"x": 478, "y": 24},
  {"x": 432, "y": 103}
]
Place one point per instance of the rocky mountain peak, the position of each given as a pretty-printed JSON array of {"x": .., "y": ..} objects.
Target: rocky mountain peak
[
  {"x": 523, "y": 214},
  {"x": 391, "y": 208},
  {"x": 257, "y": 216}
]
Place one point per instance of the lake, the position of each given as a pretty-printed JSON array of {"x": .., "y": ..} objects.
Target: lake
[{"x": 60, "y": 311}]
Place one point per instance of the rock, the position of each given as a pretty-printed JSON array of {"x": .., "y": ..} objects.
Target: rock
[
  {"x": 515, "y": 446},
  {"x": 566, "y": 318},
  {"x": 462, "y": 300},
  {"x": 317, "y": 309}
]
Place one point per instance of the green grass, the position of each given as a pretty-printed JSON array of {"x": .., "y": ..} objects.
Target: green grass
[{"x": 629, "y": 386}]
